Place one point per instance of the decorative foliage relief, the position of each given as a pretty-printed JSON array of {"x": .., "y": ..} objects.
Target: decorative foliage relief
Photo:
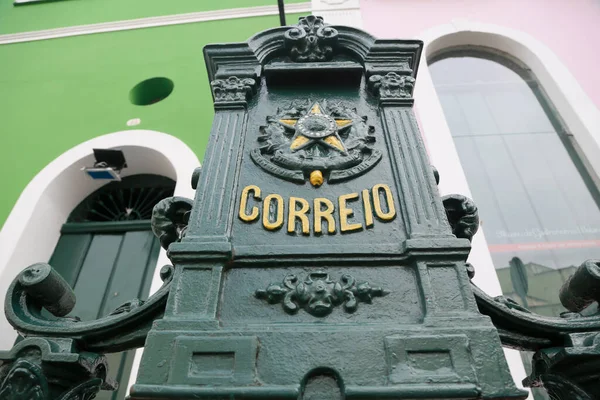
[
  {"x": 306, "y": 138},
  {"x": 25, "y": 381},
  {"x": 392, "y": 86},
  {"x": 318, "y": 294},
  {"x": 311, "y": 40},
  {"x": 232, "y": 89}
]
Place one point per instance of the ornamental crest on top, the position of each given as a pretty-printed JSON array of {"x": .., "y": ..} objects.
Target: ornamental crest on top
[
  {"x": 311, "y": 40},
  {"x": 316, "y": 141}
]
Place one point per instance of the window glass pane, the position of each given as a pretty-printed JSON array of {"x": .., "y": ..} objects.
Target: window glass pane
[
  {"x": 537, "y": 213},
  {"x": 534, "y": 204}
]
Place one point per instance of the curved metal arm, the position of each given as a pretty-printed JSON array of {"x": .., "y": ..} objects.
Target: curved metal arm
[
  {"x": 521, "y": 329},
  {"x": 170, "y": 218},
  {"x": 582, "y": 288},
  {"x": 527, "y": 331},
  {"x": 124, "y": 329},
  {"x": 567, "y": 349}
]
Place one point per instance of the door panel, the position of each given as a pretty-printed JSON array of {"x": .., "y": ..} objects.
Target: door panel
[
  {"x": 106, "y": 270},
  {"x": 129, "y": 270},
  {"x": 94, "y": 278},
  {"x": 151, "y": 267},
  {"x": 69, "y": 255}
]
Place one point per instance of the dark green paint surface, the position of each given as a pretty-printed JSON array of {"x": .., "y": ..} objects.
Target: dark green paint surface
[
  {"x": 253, "y": 238},
  {"x": 384, "y": 311},
  {"x": 70, "y": 254}
]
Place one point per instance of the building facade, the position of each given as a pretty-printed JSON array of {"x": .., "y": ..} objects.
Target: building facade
[{"x": 86, "y": 74}]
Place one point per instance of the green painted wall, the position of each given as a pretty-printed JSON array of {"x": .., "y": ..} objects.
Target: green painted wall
[
  {"x": 59, "y": 93},
  {"x": 64, "y": 13}
]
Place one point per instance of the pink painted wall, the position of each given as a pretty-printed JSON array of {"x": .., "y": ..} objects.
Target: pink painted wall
[{"x": 571, "y": 28}]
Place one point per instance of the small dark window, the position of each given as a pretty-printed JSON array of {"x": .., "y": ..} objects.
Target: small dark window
[{"x": 151, "y": 91}]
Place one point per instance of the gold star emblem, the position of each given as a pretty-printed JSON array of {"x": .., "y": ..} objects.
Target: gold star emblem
[{"x": 317, "y": 127}]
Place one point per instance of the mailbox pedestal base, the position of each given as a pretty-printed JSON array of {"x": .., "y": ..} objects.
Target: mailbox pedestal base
[
  {"x": 369, "y": 362},
  {"x": 256, "y": 332}
]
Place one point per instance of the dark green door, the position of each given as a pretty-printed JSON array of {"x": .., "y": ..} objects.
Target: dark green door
[{"x": 108, "y": 254}]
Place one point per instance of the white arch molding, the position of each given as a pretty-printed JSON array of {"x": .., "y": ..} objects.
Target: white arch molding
[
  {"x": 579, "y": 113},
  {"x": 32, "y": 229}
]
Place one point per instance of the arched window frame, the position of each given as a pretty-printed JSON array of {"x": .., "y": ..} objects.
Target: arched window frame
[
  {"x": 49, "y": 198},
  {"x": 579, "y": 112},
  {"x": 580, "y": 160}
]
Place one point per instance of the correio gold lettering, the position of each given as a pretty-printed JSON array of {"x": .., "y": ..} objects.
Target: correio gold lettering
[
  {"x": 391, "y": 209},
  {"x": 267, "y": 223},
  {"x": 324, "y": 214},
  {"x": 346, "y": 212},
  {"x": 368, "y": 208},
  {"x": 298, "y": 214},
  {"x": 244, "y": 216},
  {"x": 327, "y": 216}
]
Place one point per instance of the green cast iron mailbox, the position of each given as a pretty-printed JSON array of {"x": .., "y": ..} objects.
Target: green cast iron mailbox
[{"x": 317, "y": 261}]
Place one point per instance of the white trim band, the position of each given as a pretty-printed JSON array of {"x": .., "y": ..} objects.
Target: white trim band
[{"x": 150, "y": 22}]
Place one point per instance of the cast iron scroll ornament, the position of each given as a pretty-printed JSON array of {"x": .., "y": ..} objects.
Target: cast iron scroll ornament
[
  {"x": 170, "y": 218},
  {"x": 567, "y": 349},
  {"x": 311, "y": 40},
  {"x": 232, "y": 89},
  {"x": 25, "y": 380},
  {"x": 85, "y": 391},
  {"x": 462, "y": 215},
  {"x": 31, "y": 377},
  {"x": 318, "y": 294},
  {"x": 392, "y": 86},
  {"x": 60, "y": 358},
  {"x": 316, "y": 141}
]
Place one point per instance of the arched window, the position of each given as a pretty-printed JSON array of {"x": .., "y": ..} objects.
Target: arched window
[{"x": 538, "y": 203}]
